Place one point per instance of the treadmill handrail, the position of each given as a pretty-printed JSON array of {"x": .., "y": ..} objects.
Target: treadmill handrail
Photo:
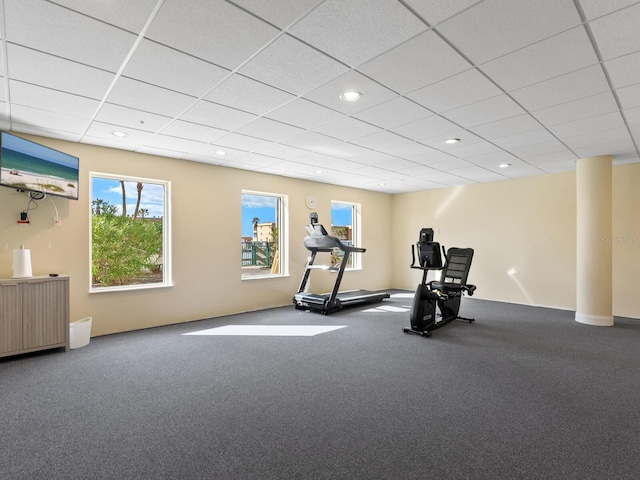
[{"x": 326, "y": 243}]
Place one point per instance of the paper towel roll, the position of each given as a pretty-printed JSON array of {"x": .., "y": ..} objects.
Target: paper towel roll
[{"x": 22, "y": 263}]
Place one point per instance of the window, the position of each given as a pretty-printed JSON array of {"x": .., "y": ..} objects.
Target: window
[
  {"x": 129, "y": 233},
  {"x": 345, "y": 224},
  {"x": 263, "y": 234}
]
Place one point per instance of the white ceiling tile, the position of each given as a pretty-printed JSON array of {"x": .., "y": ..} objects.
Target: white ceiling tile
[
  {"x": 452, "y": 164},
  {"x": 267, "y": 129},
  {"x": 43, "y": 132},
  {"x": 620, "y": 134},
  {"x": 346, "y": 128},
  {"x": 220, "y": 151},
  {"x": 435, "y": 11},
  {"x": 241, "y": 142},
  {"x": 554, "y": 161},
  {"x": 617, "y": 148},
  {"x": 284, "y": 152},
  {"x": 532, "y": 150},
  {"x": 532, "y": 137},
  {"x": 496, "y": 27},
  {"x": 214, "y": 31},
  {"x": 485, "y": 111},
  {"x": 597, "y": 8},
  {"x": 507, "y": 126},
  {"x": 316, "y": 142},
  {"x": 193, "y": 131},
  {"x": 617, "y": 34},
  {"x": 51, "y": 100},
  {"x": 129, "y": 117},
  {"x": 149, "y": 98},
  {"x": 550, "y": 58},
  {"x": 342, "y": 165},
  {"x": 329, "y": 94},
  {"x": 409, "y": 149},
  {"x": 370, "y": 157},
  {"x": 518, "y": 170},
  {"x": 393, "y": 113},
  {"x": 36, "y": 24},
  {"x": 257, "y": 161},
  {"x": 279, "y": 12},
  {"x": 445, "y": 178},
  {"x": 381, "y": 141},
  {"x": 249, "y": 95},
  {"x": 304, "y": 113},
  {"x": 46, "y": 119},
  {"x": 319, "y": 160},
  {"x": 466, "y": 137},
  {"x": 624, "y": 71},
  {"x": 177, "y": 71},
  {"x": 421, "y": 61},
  {"x": 632, "y": 115},
  {"x": 166, "y": 142},
  {"x": 493, "y": 160},
  {"x": 467, "y": 87},
  {"x": 589, "y": 125},
  {"x": 469, "y": 152},
  {"x": 57, "y": 73},
  {"x": 290, "y": 65},
  {"x": 571, "y": 86},
  {"x": 629, "y": 96},
  {"x": 478, "y": 174},
  {"x": 217, "y": 116},
  {"x": 160, "y": 152},
  {"x": 354, "y": 31},
  {"x": 426, "y": 128},
  {"x": 397, "y": 164},
  {"x": 137, "y": 13},
  {"x": 577, "y": 109},
  {"x": 104, "y": 131}
]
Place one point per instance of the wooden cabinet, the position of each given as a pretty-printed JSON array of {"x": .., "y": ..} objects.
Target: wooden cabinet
[{"x": 34, "y": 314}]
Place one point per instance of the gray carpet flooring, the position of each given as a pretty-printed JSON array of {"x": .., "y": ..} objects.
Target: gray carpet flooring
[{"x": 522, "y": 393}]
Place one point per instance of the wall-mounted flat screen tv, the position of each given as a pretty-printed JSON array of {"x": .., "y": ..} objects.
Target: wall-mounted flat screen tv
[{"x": 29, "y": 166}]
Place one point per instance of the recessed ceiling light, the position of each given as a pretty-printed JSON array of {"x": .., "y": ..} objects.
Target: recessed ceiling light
[
  {"x": 504, "y": 165},
  {"x": 120, "y": 134},
  {"x": 351, "y": 96},
  {"x": 318, "y": 171},
  {"x": 452, "y": 140},
  {"x": 221, "y": 153},
  {"x": 382, "y": 184}
]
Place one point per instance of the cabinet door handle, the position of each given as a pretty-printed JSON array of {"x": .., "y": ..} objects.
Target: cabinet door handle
[{"x": 8, "y": 284}]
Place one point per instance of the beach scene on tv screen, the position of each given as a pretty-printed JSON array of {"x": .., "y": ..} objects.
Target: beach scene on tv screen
[{"x": 29, "y": 166}]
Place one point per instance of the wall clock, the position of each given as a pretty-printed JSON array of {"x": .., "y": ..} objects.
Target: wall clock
[{"x": 311, "y": 202}]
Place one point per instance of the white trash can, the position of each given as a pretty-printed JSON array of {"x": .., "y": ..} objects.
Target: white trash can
[{"x": 80, "y": 332}]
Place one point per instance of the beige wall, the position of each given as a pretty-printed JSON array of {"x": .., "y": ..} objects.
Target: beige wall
[
  {"x": 524, "y": 235},
  {"x": 206, "y": 237}
]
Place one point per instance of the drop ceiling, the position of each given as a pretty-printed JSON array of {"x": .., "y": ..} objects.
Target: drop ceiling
[{"x": 256, "y": 84}]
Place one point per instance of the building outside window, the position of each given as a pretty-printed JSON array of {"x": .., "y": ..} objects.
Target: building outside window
[{"x": 263, "y": 234}]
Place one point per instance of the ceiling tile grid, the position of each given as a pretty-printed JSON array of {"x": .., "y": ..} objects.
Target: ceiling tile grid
[{"x": 257, "y": 85}]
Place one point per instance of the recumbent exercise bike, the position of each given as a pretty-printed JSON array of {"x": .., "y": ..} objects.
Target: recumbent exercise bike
[{"x": 446, "y": 293}]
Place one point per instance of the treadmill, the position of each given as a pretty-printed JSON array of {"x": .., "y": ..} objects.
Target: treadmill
[{"x": 319, "y": 240}]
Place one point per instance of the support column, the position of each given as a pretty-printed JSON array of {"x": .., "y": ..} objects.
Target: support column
[{"x": 594, "y": 279}]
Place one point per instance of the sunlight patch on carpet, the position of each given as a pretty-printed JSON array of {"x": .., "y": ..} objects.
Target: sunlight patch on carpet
[
  {"x": 388, "y": 308},
  {"x": 402, "y": 295},
  {"x": 269, "y": 330}
]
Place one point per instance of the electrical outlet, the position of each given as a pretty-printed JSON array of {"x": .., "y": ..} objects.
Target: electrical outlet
[{"x": 57, "y": 223}]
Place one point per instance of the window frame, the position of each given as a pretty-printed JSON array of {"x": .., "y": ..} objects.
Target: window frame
[
  {"x": 167, "y": 280},
  {"x": 282, "y": 213},
  {"x": 356, "y": 231}
]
